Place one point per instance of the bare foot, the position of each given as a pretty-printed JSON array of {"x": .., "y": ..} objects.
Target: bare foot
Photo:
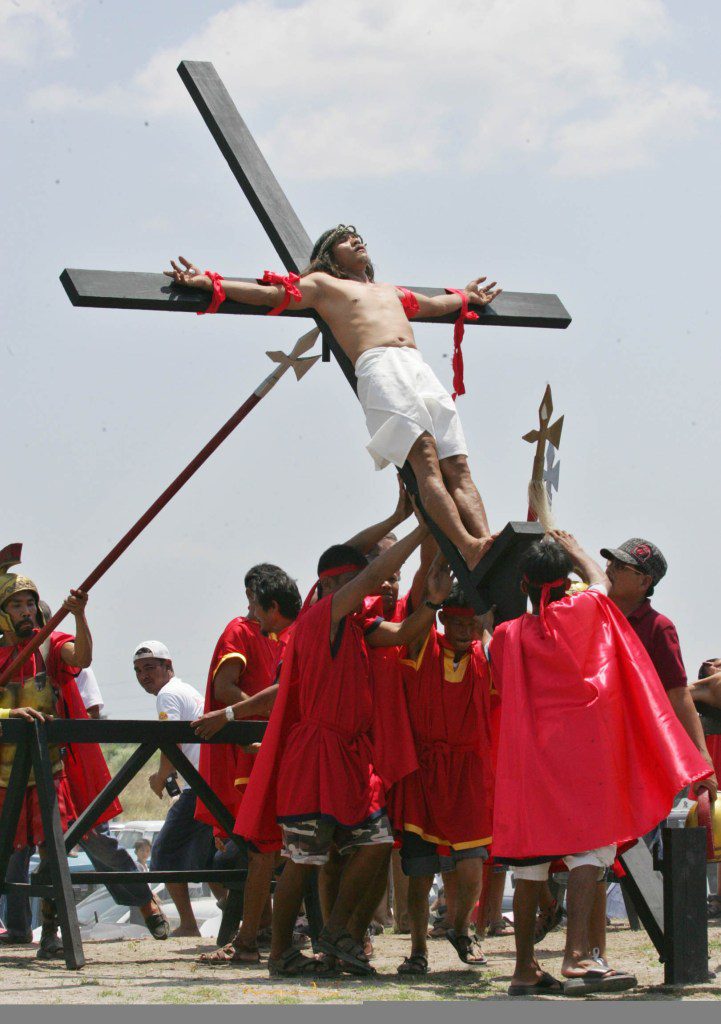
[
  {"x": 185, "y": 932},
  {"x": 476, "y": 550}
]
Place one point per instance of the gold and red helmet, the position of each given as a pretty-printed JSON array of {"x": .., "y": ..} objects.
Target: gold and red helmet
[{"x": 13, "y": 583}]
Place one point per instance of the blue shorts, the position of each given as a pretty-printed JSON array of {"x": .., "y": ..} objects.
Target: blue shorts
[
  {"x": 183, "y": 844},
  {"x": 419, "y": 858}
]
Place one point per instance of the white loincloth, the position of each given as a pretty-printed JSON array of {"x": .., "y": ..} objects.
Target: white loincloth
[{"x": 402, "y": 398}]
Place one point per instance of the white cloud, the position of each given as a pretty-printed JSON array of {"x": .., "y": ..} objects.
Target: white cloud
[
  {"x": 33, "y": 28},
  {"x": 370, "y": 88}
]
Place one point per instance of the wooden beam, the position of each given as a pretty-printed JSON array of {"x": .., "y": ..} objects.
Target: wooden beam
[{"x": 127, "y": 289}]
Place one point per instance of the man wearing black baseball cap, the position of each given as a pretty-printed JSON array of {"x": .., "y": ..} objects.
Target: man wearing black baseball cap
[{"x": 634, "y": 569}]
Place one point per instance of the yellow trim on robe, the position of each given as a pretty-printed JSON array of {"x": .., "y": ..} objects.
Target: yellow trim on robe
[
  {"x": 242, "y": 782},
  {"x": 227, "y": 657},
  {"x": 444, "y": 842},
  {"x": 417, "y": 663},
  {"x": 455, "y": 674},
  {"x": 5, "y": 712}
]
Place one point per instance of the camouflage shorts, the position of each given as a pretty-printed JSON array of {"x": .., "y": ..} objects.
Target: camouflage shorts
[{"x": 309, "y": 841}]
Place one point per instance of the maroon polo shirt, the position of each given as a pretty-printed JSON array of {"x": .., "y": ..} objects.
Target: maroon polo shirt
[{"x": 658, "y": 635}]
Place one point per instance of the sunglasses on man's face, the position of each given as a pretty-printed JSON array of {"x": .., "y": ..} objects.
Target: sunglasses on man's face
[{"x": 624, "y": 567}]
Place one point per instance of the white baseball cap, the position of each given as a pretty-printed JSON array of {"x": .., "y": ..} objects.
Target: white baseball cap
[{"x": 151, "y": 649}]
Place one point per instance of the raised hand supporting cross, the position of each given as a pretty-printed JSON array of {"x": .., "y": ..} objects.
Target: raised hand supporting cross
[{"x": 128, "y": 290}]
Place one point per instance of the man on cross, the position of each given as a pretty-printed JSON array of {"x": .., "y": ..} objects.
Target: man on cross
[{"x": 409, "y": 414}]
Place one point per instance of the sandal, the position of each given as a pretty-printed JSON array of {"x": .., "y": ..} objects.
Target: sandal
[
  {"x": 229, "y": 954},
  {"x": 467, "y": 948},
  {"x": 158, "y": 925},
  {"x": 547, "y": 920},
  {"x": 499, "y": 929},
  {"x": 51, "y": 947},
  {"x": 598, "y": 978},
  {"x": 713, "y": 912},
  {"x": 293, "y": 964},
  {"x": 417, "y": 963},
  {"x": 438, "y": 931},
  {"x": 344, "y": 947},
  {"x": 545, "y": 986}
]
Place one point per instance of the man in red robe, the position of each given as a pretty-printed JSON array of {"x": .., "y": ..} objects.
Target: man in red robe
[
  {"x": 244, "y": 664},
  {"x": 707, "y": 689},
  {"x": 445, "y": 825},
  {"x": 46, "y": 683},
  {"x": 315, "y": 775},
  {"x": 579, "y": 698}
]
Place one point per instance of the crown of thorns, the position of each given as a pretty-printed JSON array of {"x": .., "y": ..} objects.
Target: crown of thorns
[{"x": 329, "y": 238}]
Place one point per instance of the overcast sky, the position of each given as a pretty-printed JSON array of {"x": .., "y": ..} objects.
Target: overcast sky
[{"x": 562, "y": 146}]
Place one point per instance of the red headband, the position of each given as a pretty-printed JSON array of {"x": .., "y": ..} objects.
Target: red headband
[
  {"x": 459, "y": 611},
  {"x": 326, "y": 574},
  {"x": 546, "y": 589}
]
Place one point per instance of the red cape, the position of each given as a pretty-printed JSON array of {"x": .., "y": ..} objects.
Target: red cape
[
  {"x": 316, "y": 757},
  {"x": 448, "y": 799},
  {"x": 590, "y": 750},
  {"x": 223, "y": 764}
]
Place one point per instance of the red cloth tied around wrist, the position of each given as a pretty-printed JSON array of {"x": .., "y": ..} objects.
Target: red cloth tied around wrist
[
  {"x": 408, "y": 301},
  {"x": 546, "y": 589},
  {"x": 218, "y": 295},
  {"x": 289, "y": 282},
  {"x": 459, "y": 329}
]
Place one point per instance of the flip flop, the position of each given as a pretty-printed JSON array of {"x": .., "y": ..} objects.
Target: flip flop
[
  {"x": 465, "y": 946},
  {"x": 344, "y": 947},
  {"x": 545, "y": 986},
  {"x": 599, "y": 978},
  {"x": 228, "y": 955},
  {"x": 415, "y": 964},
  {"x": 500, "y": 928}
]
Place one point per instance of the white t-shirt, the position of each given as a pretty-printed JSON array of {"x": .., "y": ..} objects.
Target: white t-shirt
[
  {"x": 180, "y": 702},
  {"x": 90, "y": 693}
]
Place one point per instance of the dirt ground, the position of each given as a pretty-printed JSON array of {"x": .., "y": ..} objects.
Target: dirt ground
[{"x": 144, "y": 972}]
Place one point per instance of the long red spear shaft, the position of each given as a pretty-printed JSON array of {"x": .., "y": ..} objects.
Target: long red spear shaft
[{"x": 299, "y": 366}]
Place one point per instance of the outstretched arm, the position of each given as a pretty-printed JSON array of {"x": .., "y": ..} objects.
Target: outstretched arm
[
  {"x": 259, "y": 705},
  {"x": 371, "y": 535},
  {"x": 370, "y": 579},
  {"x": 589, "y": 570},
  {"x": 707, "y": 690},
  {"x": 270, "y": 295},
  {"x": 479, "y": 294},
  {"x": 429, "y": 550},
  {"x": 412, "y": 631}
]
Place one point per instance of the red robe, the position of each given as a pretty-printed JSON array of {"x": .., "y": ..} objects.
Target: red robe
[
  {"x": 316, "y": 758},
  {"x": 395, "y": 753},
  {"x": 590, "y": 750},
  {"x": 84, "y": 772},
  {"x": 713, "y": 743},
  {"x": 225, "y": 766},
  {"x": 448, "y": 799}
]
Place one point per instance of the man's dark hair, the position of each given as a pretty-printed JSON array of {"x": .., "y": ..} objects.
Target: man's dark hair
[
  {"x": 456, "y": 598},
  {"x": 544, "y": 562},
  {"x": 321, "y": 258},
  {"x": 278, "y": 586},
  {"x": 257, "y": 572},
  {"x": 706, "y": 670}
]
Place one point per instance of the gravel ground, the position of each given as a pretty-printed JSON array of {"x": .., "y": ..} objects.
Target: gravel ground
[{"x": 144, "y": 971}]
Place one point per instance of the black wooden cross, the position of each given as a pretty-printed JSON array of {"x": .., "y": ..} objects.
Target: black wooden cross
[{"x": 128, "y": 290}]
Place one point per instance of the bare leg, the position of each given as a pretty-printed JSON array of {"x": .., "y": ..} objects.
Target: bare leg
[
  {"x": 401, "y": 920},
  {"x": 469, "y": 882},
  {"x": 582, "y": 887},
  {"x": 525, "y": 904},
  {"x": 494, "y": 899},
  {"x": 597, "y": 927},
  {"x": 255, "y": 897},
  {"x": 418, "y": 890},
  {"x": 458, "y": 481},
  {"x": 439, "y": 504},
  {"x": 181, "y": 898},
  {"x": 361, "y": 869},
  {"x": 288, "y": 898},
  {"x": 329, "y": 881},
  {"x": 450, "y": 883},
  {"x": 369, "y": 899}
]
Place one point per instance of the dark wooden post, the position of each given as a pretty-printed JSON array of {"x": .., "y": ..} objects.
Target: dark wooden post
[{"x": 684, "y": 906}]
